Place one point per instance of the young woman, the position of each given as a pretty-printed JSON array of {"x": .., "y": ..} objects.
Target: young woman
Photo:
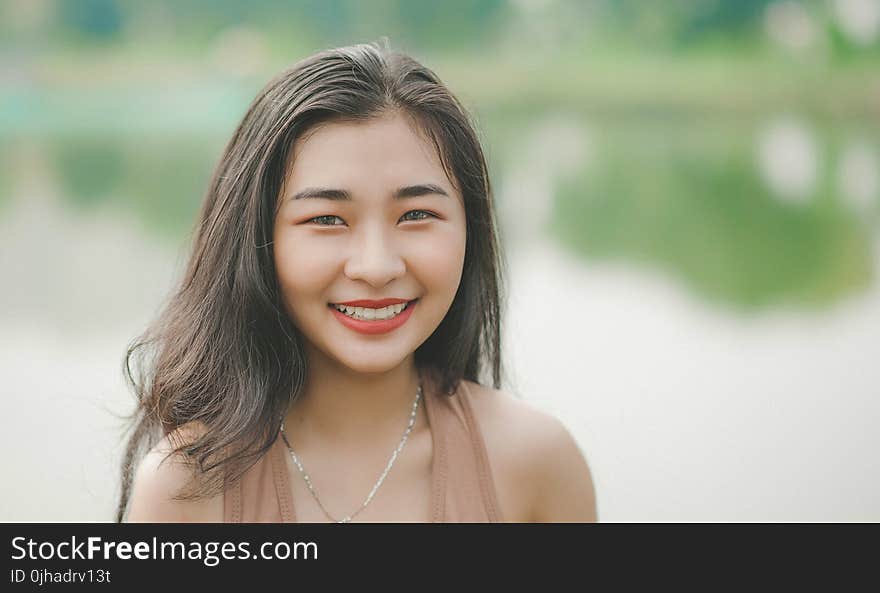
[{"x": 321, "y": 358}]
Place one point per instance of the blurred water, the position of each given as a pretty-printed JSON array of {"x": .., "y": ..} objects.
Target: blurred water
[{"x": 77, "y": 287}]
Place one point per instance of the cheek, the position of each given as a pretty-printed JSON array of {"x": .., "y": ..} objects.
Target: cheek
[
  {"x": 301, "y": 268},
  {"x": 442, "y": 259}
]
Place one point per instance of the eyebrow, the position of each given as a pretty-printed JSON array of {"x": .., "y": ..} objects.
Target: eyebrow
[{"x": 402, "y": 193}]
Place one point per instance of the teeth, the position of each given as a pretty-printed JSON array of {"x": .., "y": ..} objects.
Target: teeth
[{"x": 367, "y": 314}]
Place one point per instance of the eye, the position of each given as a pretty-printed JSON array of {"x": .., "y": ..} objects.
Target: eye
[
  {"x": 325, "y": 217},
  {"x": 424, "y": 212}
]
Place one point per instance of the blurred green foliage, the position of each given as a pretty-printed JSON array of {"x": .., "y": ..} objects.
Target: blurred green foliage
[
  {"x": 446, "y": 25},
  {"x": 697, "y": 209},
  {"x": 90, "y": 168}
]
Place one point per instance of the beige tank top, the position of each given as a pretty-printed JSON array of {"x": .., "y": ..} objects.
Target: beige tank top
[{"x": 462, "y": 489}]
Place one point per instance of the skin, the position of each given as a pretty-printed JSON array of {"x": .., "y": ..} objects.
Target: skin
[{"x": 360, "y": 388}]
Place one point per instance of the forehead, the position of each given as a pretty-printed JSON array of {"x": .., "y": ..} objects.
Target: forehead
[{"x": 387, "y": 150}]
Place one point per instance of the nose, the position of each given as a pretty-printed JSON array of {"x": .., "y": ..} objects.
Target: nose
[{"x": 374, "y": 258}]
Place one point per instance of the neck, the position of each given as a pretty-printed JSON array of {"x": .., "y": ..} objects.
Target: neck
[{"x": 353, "y": 409}]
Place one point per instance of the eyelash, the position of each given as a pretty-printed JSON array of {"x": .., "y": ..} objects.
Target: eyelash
[{"x": 429, "y": 214}]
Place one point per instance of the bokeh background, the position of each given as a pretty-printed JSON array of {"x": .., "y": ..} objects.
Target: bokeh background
[{"x": 688, "y": 193}]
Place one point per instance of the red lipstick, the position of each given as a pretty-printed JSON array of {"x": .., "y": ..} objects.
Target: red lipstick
[{"x": 375, "y": 326}]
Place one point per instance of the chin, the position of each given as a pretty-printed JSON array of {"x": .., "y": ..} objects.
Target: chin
[{"x": 370, "y": 363}]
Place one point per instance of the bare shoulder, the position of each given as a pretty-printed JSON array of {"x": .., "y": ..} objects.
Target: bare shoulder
[
  {"x": 539, "y": 469},
  {"x": 160, "y": 476}
]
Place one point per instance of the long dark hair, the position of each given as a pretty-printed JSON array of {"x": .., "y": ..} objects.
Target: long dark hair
[{"x": 223, "y": 351}]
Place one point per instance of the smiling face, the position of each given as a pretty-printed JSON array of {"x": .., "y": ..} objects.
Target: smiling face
[{"x": 367, "y": 212}]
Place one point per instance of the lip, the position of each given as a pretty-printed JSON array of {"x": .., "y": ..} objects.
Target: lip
[
  {"x": 374, "y": 304},
  {"x": 382, "y": 326}
]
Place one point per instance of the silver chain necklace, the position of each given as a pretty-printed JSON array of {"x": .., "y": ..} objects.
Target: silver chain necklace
[{"x": 348, "y": 518}]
